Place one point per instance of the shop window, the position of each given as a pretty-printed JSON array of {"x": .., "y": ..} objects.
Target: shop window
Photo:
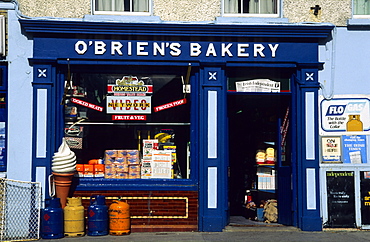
[
  {"x": 361, "y": 8},
  {"x": 129, "y": 125},
  {"x": 135, "y": 7},
  {"x": 260, "y": 8}
]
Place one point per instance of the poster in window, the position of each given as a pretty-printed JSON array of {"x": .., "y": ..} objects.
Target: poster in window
[
  {"x": 341, "y": 199},
  {"x": 354, "y": 149},
  {"x": 162, "y": 164},
  {"x": 331, "y": 149},
  {"x": 365, "y": 197}
]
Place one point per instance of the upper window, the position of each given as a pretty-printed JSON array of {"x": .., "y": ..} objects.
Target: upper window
[
  {"x": 260, "y": 8},
  {"x": 361, "y": 8},
  {"x": 135, "y": 7}
]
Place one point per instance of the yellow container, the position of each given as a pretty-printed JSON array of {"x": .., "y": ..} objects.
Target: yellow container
[
  {"x": 74, "y": 217},
  {"x": 354, "y": 123},
  {"x": 119, "y": 218}
]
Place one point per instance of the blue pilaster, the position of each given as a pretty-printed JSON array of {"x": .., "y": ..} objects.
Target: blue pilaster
[
  {"x": 213, "y": 146},
  {"x": 307, "y": 151},
  {"x": 43, "y": 121}
]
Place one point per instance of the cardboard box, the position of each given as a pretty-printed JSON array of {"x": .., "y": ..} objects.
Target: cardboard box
[
  {"x": 122, "y": 175},
  {"x": 99, "y": 170},
  {"x": 133, "y": 161},
  {"x": 88, "y": 170},
  {"x": 80, "y": 170},
  {"x": 110, "y": 154},
  {"x": 133, "y": 175}
]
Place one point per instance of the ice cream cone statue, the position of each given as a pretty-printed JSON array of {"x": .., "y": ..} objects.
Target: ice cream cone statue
[{"x": 64, "y": 168}]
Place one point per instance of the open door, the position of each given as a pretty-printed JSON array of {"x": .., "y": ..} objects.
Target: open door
[
  {"x": 284, "y": 171},
  {"x": 259, "y": 122}
]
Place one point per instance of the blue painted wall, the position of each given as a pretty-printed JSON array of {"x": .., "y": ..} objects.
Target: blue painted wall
[
  {"x": 19, "y": 102},
  {"x": 350, "y": 72}
]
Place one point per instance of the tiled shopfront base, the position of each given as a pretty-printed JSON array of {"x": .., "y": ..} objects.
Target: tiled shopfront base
[{"x": 154, "y": 211}]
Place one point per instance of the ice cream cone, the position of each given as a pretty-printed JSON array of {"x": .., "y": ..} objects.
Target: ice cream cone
[{"x": 62, "y": 183}]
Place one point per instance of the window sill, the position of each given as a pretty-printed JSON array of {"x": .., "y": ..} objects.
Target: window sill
[
  {"x": 94, "y": 184},
  {"x": 228, "y": 20},
  {"x": 121, "y": 18},
  {"x": 359, "y": 23}
]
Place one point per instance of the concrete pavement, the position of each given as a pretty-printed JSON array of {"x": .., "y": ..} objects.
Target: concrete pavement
[{"x": 231, "y": 233}]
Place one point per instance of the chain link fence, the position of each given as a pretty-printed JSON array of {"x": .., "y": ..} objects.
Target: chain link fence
[{"x": 20, "y": 205}]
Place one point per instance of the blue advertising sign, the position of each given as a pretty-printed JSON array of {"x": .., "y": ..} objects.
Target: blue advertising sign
[
  {"x": 174, "y": 50},
  {"x": 354, "y": 149}
]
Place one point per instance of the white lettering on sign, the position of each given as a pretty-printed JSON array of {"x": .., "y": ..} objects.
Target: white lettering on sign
[
  {"x": 116, "y": 48},
  {"x": 128, "y": 117},
  {"x": 195, "y": 49},
  {"x": 225, "y": 49},
  {"x": 144, "y": 48},
  {"x": 170, "y": 105},
  {"x": 86, "y": 104},
  {"x": 241, "y": 50}
]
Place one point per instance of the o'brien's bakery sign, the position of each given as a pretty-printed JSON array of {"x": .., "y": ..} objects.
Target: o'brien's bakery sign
[
  {"x": 207, "y": 51},
  {"x": 193, "y": 49}
]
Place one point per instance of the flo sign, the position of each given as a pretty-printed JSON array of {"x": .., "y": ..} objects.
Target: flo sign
[
  {"x": 214, "y": 51},
  {"x": 344, "y": 114}
]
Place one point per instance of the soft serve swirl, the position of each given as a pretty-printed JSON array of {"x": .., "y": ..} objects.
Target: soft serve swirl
[{"x": 64, "y": 160}]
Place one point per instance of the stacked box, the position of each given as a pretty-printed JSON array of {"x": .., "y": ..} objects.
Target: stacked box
[
  {"x": 110, "y": 156},
  {"x": 134, "y": 171},
  {"x": 118, "y": 164},
  {"x": 88, "y": 170},
  {"x": 98, "y": 170},
  {"x": 109, "y": 171},
  {"x": 80, "y": 170},
  {"x": 122, "y": 175}
]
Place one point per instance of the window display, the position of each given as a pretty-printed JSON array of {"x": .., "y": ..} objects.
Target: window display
[{"x": 128, "y": 126}]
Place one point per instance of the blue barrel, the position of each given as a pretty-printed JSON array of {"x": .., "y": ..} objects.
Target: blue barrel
[
  {"x": 97, "y": 216},
  {"x": 52, "y": 220}
]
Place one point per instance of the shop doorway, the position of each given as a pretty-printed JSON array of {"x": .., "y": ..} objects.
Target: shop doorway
[{"x": 254, "y": 122}]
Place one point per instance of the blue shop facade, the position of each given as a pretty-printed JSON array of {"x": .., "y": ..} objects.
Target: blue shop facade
[{"x": 217, "y": 94}]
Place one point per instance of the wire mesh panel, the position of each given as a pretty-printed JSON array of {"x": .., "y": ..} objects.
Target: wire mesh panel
[{"x": 19, "y": 210}]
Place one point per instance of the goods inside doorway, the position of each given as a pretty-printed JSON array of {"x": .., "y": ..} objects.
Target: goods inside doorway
[{"x": 254, "y": 146}]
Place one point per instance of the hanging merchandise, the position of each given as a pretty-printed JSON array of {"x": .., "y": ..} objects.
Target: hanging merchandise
[
  {"x": 270, "y": 156},
  {"x": 260, "y": 157},
  {"x": 74, "y": 135}
]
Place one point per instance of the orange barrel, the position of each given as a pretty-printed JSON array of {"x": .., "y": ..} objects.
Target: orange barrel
[
  {"x": 74, "y": 217},
  {"x": 119, "y": 218}
]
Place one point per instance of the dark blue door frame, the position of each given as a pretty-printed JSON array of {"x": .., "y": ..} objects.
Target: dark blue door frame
[{"x": 213, "y": 156}]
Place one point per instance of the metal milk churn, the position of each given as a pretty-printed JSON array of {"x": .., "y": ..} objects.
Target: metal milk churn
[
  {"x": 119, "y": 218},
  {"x": 52, "y": 220},
  {"x": 97, "y": 216},
  {"x": 74, "y": 217}
]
